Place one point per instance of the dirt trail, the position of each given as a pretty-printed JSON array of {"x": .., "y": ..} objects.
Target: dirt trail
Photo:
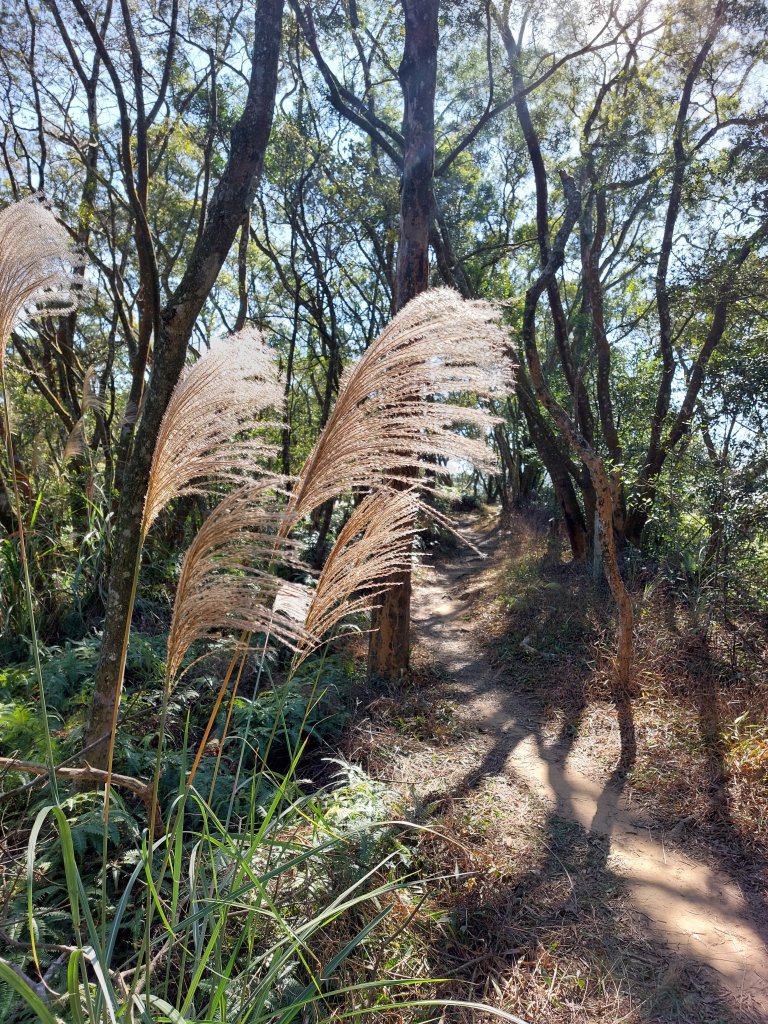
[{"x": 694, "y": 910}]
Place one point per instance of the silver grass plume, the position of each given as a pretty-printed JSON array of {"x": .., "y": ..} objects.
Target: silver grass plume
[
  {"x": 382, "y": 427},
  {"x": 372, "y": 547},
  {"x": 38, "y": 267},
  {"x": 394, "y": 412},
  {"x": 216, "y": 403},
  {"x": 225, "y": 581},
  {"x": 89, "y": 400}
]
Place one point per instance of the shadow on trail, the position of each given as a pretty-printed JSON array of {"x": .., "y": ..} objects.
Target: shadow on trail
[
  {"x": 731, "y": 846},
  {"x": 564, "y": 934},
  {"x": 560, "y": 937},
  {"x": 570, "y": 900}
]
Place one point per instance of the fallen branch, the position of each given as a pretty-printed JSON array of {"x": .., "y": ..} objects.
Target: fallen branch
[
  {"x": 143, "y": 790},
  {"x": 38, "y": 988}
]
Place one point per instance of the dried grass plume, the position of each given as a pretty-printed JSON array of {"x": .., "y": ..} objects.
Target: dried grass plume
[
  {"x": 372, "y": 547},
  {"x": 396, "y": 409},
  {"x": 216, "y": 404},
  {"x": 395, "y": 413},
  {"x": 89, "y": 400},
  {"x": 226, "y": 582},
  {"x": 38, "y": 267}
]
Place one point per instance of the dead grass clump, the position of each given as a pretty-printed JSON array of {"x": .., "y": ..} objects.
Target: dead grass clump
[
  {"x": 548, "y": 622},
  {"x": 703, "y": 760}
]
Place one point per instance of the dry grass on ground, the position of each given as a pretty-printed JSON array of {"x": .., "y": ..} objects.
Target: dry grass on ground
[
  {"x": 702, "y": 705},
  {"x": 522, "y": 910}
]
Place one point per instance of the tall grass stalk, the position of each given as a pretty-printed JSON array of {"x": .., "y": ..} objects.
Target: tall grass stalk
[
  {"x": 28, "y": 592},
  {"x": 38, "y": 277},
  {"x": 35, "y": 268}
]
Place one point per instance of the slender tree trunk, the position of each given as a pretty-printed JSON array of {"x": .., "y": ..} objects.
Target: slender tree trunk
[
  {"x": 228, "y": 207},
  {"x": 388, "y": 646},
  {"x": 559, "y": 473},
  {"x": 286, "y": 441},
  {"x": 622, "y": 681}
]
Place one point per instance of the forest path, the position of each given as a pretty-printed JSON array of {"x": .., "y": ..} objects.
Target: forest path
[{"x": 696, "y": 911}]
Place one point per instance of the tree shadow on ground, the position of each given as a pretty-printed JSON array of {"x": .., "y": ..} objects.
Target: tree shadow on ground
[
  {"x": 557, "y": 938},
  {"x": 560, "y": 942},
  {"x": 565, "y": 693},
  {"x": 729, "y": 843},
  {"x": 569, "y": 900}
]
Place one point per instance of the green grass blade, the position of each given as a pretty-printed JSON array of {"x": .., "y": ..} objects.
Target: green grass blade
[
  {"x": 73, "y": 985},
  {"x": 27, "y": 993}
]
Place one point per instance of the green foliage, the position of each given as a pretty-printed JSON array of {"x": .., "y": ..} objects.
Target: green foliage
[
  {"x": 264, "y": 920},
  {"x": 239, "y": 899},
  {"x": 21, "y": 731},
  {"x": 68, "y": 679}
]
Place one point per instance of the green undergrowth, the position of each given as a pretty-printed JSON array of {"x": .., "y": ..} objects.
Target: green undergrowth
[
  {"x": 264, "y": 895},
  {"x": 313, "y": 700},
  {"x": 262, "y": 916}
]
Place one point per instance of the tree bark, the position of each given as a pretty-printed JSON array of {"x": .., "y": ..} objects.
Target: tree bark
[
  {"x": 229, "y": 205},
  {"x": 388, "y": 645}
]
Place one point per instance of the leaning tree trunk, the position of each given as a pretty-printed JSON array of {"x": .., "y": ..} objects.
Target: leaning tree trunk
[
  {"x": 622, "y": 682},
  {"x": 388, "y": 646},
  {"x": 557, "y": 466},
  {"x": 229, "y": 205}
]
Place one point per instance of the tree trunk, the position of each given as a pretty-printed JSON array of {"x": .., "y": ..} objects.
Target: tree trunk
[
  {"x": 388, "y": 645},
  {"x": 229, "y": 205},
  {"x": 622, "y": 681},
  {"x": 559, "y": 473}
]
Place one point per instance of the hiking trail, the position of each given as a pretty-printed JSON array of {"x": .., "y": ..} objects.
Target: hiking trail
[{"x": 695, "y": 910}]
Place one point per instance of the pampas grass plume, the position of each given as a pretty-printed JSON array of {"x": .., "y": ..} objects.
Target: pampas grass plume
[
  {"x": 216, "y": 404},
  {"x": 225, "y": 581},
  {"x": 38, "y": 267},
  {"x": 372, "y": 548},
  {"x": 89, "y": 399},
  {"x": 394, "y": 413}
]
